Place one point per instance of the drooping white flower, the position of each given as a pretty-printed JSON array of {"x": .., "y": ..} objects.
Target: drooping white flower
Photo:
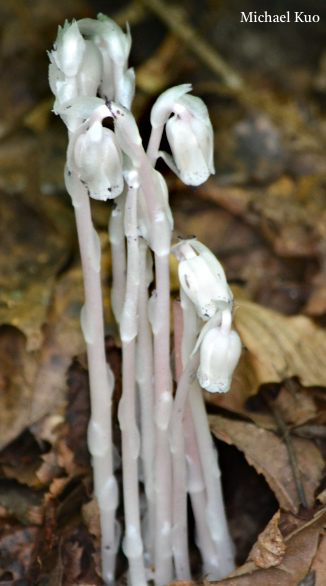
[
  {"x": 107, "y": 35},
  {"x": 90, "y": 72},
  {"x": 63, "y": 88},
  {"x": 190, "y": 135},
  {"x": 125, "y": 87},
  {"x": 86, "y": 107},
  {"x": 69, "y": 49},
  {"x": 69, "y": 82},
  {"x": 202, "y": 278},
  {"x": 95, "y": 155},
  {"x": 220, "y": 351},
  {"x": 118, "y": 81}
]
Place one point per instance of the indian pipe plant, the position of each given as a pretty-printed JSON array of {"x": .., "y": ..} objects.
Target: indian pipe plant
[{"x": 167, "y": 449}]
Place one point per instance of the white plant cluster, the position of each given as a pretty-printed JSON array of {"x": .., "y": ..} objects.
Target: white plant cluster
[{"x": 167, "y": 450}]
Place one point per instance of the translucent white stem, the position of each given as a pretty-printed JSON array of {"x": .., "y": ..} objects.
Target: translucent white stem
[
  {"x": 197, "y": 492},
  {"x": 132, "y": 543},
  {"x": 160, "y": 322},
  {"x": 185, "y": 337},
  {"x": 163, "y": 407},
  {"x": 118, "y": 255},
  {"x": 144, "y": 377},
  {"x": 154, "y": 144},
  {"x": 215, "y": 512},
  {"x": 180, "y": 525},
  {"x": 215, "y": 545},
  {"x": 100, "y": 379}
]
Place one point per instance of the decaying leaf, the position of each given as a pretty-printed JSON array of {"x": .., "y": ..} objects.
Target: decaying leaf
[
  {"x": 318, "y": 564},
  {"x": 303, "y": 552},
  {"x": 21, "y": 503},
  {"x": 309, "y": 579},
  {"x": 281, "y": 347},
  {"x": 268, "y": 454},
  {"x": 295, "y": 404},
  {"x": 302, "y": 546},
  {"x": 269, "y": 549},
  {"x": 91, "y": 519},
  {"x": 293, "y": 225},
  {"x": 33, "y": 382},
  {"x": 31, "y": 253},
  {"x": 16, "y": 545}
]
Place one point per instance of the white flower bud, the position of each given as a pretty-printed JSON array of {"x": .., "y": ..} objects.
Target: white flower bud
[
  {"x": 220, "y": 351},
  {"x": 56, "y": 77},
  {"x": 65, "y": 92},
  {"x": 108, "y": 36},
  {"x": 117, "y": 83},
  {"x": 97, "y": 158},
  {"x": 202, "y": 278},
  {"x": 84, "y": 108},
  {"x": 89, "y": 74},
  {"x": 190, "y": 135},
  {"x": 69, "y": 49},
  {"x": 126, "y": 87},
  {"x": 85, "y": 81},
  {"x": 64, "y": 89}
]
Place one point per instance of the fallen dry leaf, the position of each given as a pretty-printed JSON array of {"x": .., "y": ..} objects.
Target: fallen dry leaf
[
  {"x": 21, "y": 503},
  {"x": 17, "y": 545},
  {"x": 295, "y": 405},
  {"x": 34, "y": 382},
  {"x": 319, "y": 564},
  {"x": 32, "y": 251},
  {"x": 268, "y": 454},
  {"x": 301, "y": 547},
  {"x": 292, "y": 220},
  {"x": 303, "y": 552},
  {"x": 90, "y": 514},
  {"x": 280, "y": 347},
  {"x": 269, "y": 549}
]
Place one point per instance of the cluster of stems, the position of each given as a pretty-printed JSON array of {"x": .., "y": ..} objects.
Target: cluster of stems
[{"x": 167, "y": 449}]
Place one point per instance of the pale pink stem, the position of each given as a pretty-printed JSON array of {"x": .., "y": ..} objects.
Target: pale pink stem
[
  {"x": 132, "y": 543},
  {"x": 216, "y": 545},
  {"x": 163, "y": 406},
  {"x": 118, "y": 256},
  {"x": 179, "y": 501},
  {"x": 144, "y": 377},
  {"x": 101, "y": 379},
  {"x": 154, "y": 144},
  {"x": 196, "y": 485}
]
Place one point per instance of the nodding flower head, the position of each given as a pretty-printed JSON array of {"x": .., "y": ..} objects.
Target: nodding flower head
[
  {"x": 118, "y": 82},
  {"x": 72, "y": 80},
  {"x": 84, "y": 83},
  {"x": 69, "y": 49},
  {"x": 91, "y": 57},
  {"x": 108, "y": 36},
  {"x": 189, "y": 132},
  {"x": 220, "y": 351},
  {"x": 95, "y": 155},
  {"x": 202, "y": 278}
]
